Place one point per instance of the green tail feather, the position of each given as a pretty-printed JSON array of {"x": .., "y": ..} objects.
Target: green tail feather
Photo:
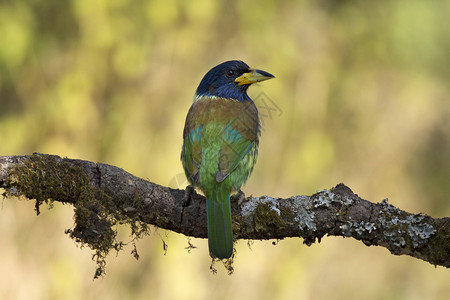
[{"x": 220, "y": 230}]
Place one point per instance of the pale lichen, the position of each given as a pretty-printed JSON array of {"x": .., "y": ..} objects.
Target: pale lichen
[
  {"x": 394, "y": 227},
  {"x": 303, "y": 215},
  {"x": 325, "y": 198},
  {"x": 249, "y": 206},
  {"x": 399, "y": 229},
  {"x": 419, "y": 232},
  {"x": 359, "y": 227}
]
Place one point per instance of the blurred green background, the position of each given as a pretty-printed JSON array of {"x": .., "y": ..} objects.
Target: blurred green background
[{"x": 361, "y": 96}]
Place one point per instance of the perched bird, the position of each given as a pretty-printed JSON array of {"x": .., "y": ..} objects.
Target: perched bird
[{"x": 220, "y": 144}]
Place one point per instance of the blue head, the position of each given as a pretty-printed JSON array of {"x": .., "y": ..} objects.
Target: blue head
[{"x": 231, "y": 80}]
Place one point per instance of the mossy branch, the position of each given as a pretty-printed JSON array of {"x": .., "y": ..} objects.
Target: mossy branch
[{"x": 104, "y": 196}]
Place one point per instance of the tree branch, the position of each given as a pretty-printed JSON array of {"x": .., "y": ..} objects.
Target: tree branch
[{"x": 104, "y": 196}]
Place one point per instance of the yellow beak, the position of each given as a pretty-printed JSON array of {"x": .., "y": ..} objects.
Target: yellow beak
[{"x": 253, "y": 76}]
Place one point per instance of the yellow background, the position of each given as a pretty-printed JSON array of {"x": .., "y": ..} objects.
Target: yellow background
[{"x": 361, "y": 96}]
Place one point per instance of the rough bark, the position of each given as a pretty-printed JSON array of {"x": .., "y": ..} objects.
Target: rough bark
[{"x": 104, "y": 196}]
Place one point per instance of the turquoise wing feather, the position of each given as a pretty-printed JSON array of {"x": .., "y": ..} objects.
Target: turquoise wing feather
[
  {"x": 191, "y": 154},
  {"x": 232, "y": 152}
]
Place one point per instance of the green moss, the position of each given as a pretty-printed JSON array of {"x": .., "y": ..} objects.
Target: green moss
[
  {"x": 227, "y": 263},
  {"x": 48, "y": 178},
  {"x": 440, "y": 246},
  {"x": 236, "y": 223},
  {"x": 286, "y": 213},
  {"x": 264, "y": 216},
  {"x": 138, "y": 200}
]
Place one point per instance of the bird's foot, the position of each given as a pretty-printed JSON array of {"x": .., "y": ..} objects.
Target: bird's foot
[
  {"x": 240, "y": 196},
  {"x": 190, "y": 190}
]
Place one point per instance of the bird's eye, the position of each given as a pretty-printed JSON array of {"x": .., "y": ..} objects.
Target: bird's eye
[{"x": 230, "y": 73}]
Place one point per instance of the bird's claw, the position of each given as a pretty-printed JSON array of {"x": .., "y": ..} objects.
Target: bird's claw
[
  {"x": 240, "y": 196},
  {"x": 189, "y": 191}
]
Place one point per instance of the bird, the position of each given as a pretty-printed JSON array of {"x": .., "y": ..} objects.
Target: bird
[{"x": 220, "y": 144}]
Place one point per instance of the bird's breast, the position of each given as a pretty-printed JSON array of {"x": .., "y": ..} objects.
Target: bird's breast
[{"x": 242, "y": 116}]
